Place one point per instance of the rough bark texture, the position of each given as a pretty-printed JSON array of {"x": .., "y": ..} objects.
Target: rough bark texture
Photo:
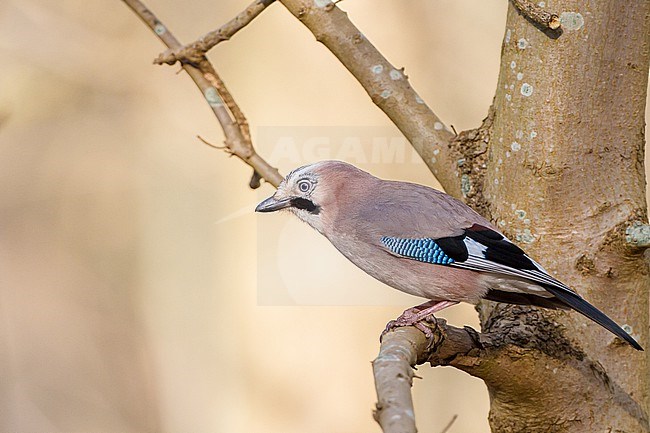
[{"x": 559, "y": 166}]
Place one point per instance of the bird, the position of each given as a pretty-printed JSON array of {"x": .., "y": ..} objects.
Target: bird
[{"x": 423, "y": 242}]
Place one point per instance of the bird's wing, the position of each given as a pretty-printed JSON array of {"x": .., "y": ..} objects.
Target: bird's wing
[
  {"x": 424, "y": 224},
  {"x": 482, "y": 249},
  {"x": 407, "y": 210},
  {"x": 478, "y": 248}
]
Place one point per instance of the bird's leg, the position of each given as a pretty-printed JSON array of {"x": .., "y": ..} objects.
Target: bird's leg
[{"x": 415, "y": 316}]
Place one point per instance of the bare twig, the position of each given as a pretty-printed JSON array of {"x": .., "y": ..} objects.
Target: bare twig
[
  {"x": 207, "y": 143},
  {"x": 536, "y": 14},
  {"x": 393, "y": 370},
  {"x": 223, "y": 106},
  {"x": 387, "y": 86},
  {"x": 194, "y": 52}
]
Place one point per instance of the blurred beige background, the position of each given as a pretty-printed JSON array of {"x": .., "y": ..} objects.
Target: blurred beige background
[{"x": 132, "y": 297}]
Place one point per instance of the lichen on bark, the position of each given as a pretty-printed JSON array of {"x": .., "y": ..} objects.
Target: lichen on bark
[{"x": 470, "y": 150}]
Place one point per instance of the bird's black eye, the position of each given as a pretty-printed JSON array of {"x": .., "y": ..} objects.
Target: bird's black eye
[{"x": 304, "y": 185}]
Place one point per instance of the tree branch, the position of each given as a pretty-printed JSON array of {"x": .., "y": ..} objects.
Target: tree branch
[
  {"x": 401, "y": 350},
  {"x": 393, "y": 371},
  {"x": 193, "y": 53},
  {"x": 387, "y": 86},
  {"x": 503, "y": 358},
  {"x": 230, "y": 117}
]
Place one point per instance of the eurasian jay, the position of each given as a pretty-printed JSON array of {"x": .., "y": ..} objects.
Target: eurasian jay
[{"x": 423, "y": 242}]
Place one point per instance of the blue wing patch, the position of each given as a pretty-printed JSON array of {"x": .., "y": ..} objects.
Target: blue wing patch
[{"x": 424, "y": 249}]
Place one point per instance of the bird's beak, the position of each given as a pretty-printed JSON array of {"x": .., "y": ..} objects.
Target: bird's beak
[{"x": 271, "y": 204}]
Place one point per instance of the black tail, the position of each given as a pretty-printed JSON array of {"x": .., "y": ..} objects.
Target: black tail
[{"x": 586, "y": 309}]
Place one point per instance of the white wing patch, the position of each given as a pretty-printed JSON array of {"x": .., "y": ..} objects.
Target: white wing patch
[{"x": 474, "y": 249}]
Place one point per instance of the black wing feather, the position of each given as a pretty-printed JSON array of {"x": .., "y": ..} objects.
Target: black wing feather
[
  {"x": 454, "y": 247},
  {"x": 499, "y": 249},
  {"x": 492, "y": 252}
]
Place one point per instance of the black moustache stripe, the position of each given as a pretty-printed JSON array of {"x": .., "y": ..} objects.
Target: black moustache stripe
[{"x": 305, "y": 204}]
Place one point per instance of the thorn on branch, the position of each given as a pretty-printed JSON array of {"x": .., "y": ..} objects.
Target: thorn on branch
[{"x": 537, "y": 15}]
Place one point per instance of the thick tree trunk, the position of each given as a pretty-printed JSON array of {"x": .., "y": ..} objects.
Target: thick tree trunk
[{"x": 559, "y": 167}]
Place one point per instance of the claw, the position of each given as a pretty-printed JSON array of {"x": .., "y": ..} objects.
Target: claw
[
  {"x": 425, "y": 325},
  {"x": 419, "y": 317}
]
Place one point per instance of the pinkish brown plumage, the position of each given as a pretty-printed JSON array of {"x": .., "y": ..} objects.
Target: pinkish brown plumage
[{"x": 421, "y": 241}]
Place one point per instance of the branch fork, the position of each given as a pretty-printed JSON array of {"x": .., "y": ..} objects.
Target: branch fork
[
  {"x": 194, "y": 53},
  {"x": 229, "y": 115}
]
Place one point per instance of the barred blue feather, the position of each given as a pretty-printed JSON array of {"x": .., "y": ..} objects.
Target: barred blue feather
[{"x": 424, "y": 249}]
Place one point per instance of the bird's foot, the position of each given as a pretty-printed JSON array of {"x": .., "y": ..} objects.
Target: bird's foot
[
  {"x": 420, "y": 317},
  {"x": 425, "y": 324}
]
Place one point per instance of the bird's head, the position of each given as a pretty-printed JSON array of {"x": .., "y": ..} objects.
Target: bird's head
[{"x": 313, "y": 192}]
